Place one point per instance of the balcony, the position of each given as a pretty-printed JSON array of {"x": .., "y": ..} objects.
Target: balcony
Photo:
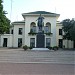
[
  {"x": 34, "y": 32},
  {"x": 48, "y": 33}
]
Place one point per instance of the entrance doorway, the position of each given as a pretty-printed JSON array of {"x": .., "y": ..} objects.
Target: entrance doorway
[{"x": 5, "y": 42}]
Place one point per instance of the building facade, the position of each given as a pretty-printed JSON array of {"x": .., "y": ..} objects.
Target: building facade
[
  {"x": 60, "y": 41},
  {"x": 27, "y": 32}
]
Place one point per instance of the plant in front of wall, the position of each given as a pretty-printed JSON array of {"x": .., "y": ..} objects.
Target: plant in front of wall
[
  {"x": 55, "y": 48},
  {"x": 30, "y": 47},
  {"x": 25, "y": 47},
  {"x": 49, "y": 47},
  {"x": 48, "y": 33},
  {"x": 32, "y": 33}
]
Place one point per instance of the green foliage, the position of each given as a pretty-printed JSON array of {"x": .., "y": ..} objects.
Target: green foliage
[
  {"x": 4, "y": 21},
  {"x": 49, "y": 33},
  {"x": 30, "y": 47},
  {"x": 69, "y": 29},
  {"x": 55, "y": 48},
  {"x": 49, "y": 47},
  {"x": 32, "y": 33},
  {"x": 25, "y": 47}
]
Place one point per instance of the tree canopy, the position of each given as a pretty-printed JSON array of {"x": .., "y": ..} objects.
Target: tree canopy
[
  {"x": 4, "y": 21},
  {"x": 69, "y": 29}
]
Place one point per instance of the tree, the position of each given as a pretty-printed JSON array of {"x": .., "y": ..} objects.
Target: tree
[
  {"x": 69, "y": 29},
  {"x": 4, "y": 21}
]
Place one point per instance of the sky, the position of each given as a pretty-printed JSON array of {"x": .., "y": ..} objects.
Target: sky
[{"x": 66, "y": 8}]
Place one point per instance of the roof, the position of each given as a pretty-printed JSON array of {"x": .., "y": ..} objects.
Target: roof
[
  {"x": 18, "y": 22},
  {"x": 41, "y": 12}
]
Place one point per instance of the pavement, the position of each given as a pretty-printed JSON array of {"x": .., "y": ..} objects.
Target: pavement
[
  {"x": 36, "y": 69},
  {"x": 20, "y": 62},
  {"x": 21, "y": 56}
]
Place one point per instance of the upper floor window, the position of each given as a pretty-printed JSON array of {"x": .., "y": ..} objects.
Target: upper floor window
[
  {"x": 46, "y": 29},
  {"x": 60, "y": 31},
  {"x": 33, "y": 28},
  {"x": 20, "y": 31}
]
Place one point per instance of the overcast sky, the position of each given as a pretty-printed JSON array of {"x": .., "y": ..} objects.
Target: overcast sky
[{"x": 66, "y": 8}]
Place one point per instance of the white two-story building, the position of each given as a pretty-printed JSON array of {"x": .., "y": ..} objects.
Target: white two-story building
[{"x": 26, "y": 32}]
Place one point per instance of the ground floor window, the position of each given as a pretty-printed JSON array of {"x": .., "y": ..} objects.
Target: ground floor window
[
  {"x": 47, "y": 42},
  {"x": 19, "y": 42},
  {"x": 32, "y": 42},
  {"x": 74, "y": 45},
  {"x": 5, "y": 42},
  {"x": 60, "y": 43}
]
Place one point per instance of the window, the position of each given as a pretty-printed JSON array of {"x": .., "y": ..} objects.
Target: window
[
  {"x": 20, "y": 31},
  {"x": 60, "y": 43},
  {"x": 34, "y": 28},
  {"x": 12, "y": 31},
  {"x": 60, "y": 31},
  {"x": 5, "y": 41},
  {"x": 32, "y": 42},
  {"x": 19, "y": 42},
  {"x": 46, "y": 29},
  {"x": 47, "y": 42}
]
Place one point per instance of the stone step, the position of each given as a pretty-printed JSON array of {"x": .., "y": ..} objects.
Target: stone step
[{"x": 39, "y": 49}]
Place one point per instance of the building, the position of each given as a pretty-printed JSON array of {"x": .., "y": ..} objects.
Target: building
[
  {"x": 27, "y": 32},
  {"x": 60, "y": 41}
]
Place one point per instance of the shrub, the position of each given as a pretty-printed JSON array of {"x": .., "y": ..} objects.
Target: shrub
[
  {"x": 49, "y": 47},
  {"x": 55, "y": 48},
  {"x": 30, "y": 47},
  {"x": 49, "y": 33},
  {"x": 25, "y": 47}
]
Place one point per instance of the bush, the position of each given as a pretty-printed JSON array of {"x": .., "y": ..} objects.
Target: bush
[
  {"x": 49, "y": 47},
  {"x": 25, "y": 47},
  {"x": 30, "y": 47},
  {"x": 55, "y": 48}
]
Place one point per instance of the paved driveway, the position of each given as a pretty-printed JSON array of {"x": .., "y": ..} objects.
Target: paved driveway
[{"x": 21, "y": 56}]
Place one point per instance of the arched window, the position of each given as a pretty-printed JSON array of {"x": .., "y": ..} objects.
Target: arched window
[
  {"x": 48, "y": 27},
  {"x": 33, "y": 27}
]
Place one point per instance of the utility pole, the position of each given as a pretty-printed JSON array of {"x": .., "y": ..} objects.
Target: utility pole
[{"x": 11, "y": 11}]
